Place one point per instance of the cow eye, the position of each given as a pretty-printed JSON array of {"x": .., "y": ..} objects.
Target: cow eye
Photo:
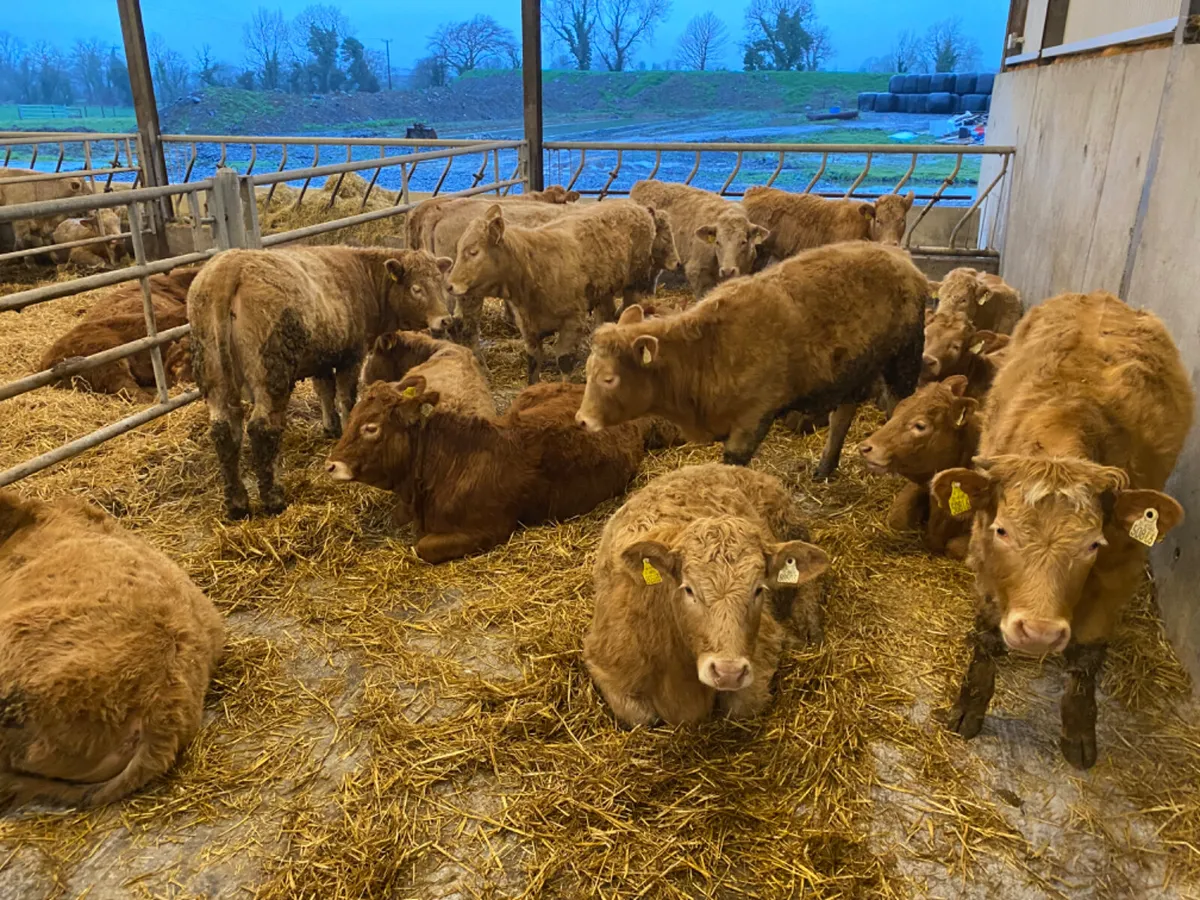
[
  {"x": 1000, "y": 531},
  {"x": 370, "y": 429},
  {"x": 474, "y": 251},
  {"x": 760, "y": 590},
  {"x": 1095, "y": 546},
  {"x": 689, "y": 593},
  {"x": 919, "y": 426},
  {"x": 956, "y": 348},
  {"x": 609, "y": 380}
]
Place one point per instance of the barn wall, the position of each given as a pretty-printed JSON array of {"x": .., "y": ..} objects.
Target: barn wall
[
  {"x": 1095, "y": 18},
  {"x": 1083, "y": 131}
]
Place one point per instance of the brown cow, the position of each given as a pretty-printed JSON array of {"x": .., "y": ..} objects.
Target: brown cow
[
  {"x": 713, "y": 237},
  {"x": 168, "y": 293},
  {"x": 27, "y": 233},
  {"x": 471, "y": 482},
  {"x": 1082, "y": 429},
  {"x": 264, "y": 319},
  {"x": 555, "y": 274},
  {"x": 812, "y": 333},
  {"x": 664, "y": 257},
  {"x": 106, "y": 650},
  {"x": 952, "y": 346},
  {"x": 104, "y": 223},
  {"x": 936, "y": 428},
  {"x": 690, "y": 575},
  {"x": 422, "y": 223},
  {"x": 450, "y": 369},
  {"x": 799, "y": 222},
  {"x": 988, "y": 302}
]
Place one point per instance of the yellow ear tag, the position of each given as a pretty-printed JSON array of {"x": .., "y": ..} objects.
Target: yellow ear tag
[
  {"x": 977, "y": 347},
  {"x": 426, "y": 410},
  {"x": 984, "y": 299},
  {"x": 646, "y": 357},
  {"x": 711, "y": 238},
  {"x": 959, "y": 501},
  {"x": 962, "y": 417},
  {"x": 649, "y": 573},
  {"x": 409, "y": 393},
  {"x": 789, "y": 574},
  {"x": 1145, "y": 529}
]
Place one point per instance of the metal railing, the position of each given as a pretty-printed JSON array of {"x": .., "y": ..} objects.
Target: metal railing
[
  {"x": 92, "y": 154},
  {"x": 826, "y": 170},
  {"x": 228, "y": 213}
]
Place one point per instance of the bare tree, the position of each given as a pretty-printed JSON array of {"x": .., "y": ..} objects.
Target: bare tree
[
  {"x": 87, "y": 61},
  {"x": 946, "y": 48},
  {"x": 623, "y": 24},
  {"x": 464, "y": 45},
  {"x": 905, "y": 54},
  {"x": 171, "y": 72},
  {"x": 265, "y": 38},
  {"x": 703, "y": 40},
  {"x": 572, "y": 23},
  {"x": 784, "y": 35}
]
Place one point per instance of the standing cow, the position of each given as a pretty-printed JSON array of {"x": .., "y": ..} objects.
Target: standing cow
[
  {"x": 1082, "y": 428},
  {"x": 264, "y": 319},
  {"x": 799, "y": 222},
  {"x": 685, "y": 576},
  {"x": 813, "y": 334}
]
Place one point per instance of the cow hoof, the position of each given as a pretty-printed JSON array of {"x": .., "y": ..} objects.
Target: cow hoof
[
  {"x": 273, "y": 503},
  {"x": 736, "y": 459},
  {"x": 1079, "y": 750},
  {"x": 825, "y": 474},
  {"x": 237, "y": 511},
  {"x": 966, "y": 723}
]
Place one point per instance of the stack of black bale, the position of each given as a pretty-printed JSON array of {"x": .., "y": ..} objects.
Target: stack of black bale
[{"x": 940, "y": 94}]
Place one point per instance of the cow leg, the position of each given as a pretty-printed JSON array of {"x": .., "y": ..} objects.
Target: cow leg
[
  {"x": 839, "y": 425},
  {"x": 437, "y": 548},
  {"x": 533, "y": 353},
  {"x": 605, "y": 309},
  {"x": 470, "y": 310},
  {"x": 347, "y": 390},
  {"x": 225, "y": 429},
  {"x": 743, "y": 442},
  {"x": 979, "y": 683},
  {"x": 266, "y": 436},
  {"x": 566, "y": 346},
  {"x": 1078, "y": 739},
  {"x": 326, "y": 389}
]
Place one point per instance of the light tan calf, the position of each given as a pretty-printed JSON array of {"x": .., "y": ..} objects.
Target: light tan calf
[
  {"x": 106, "y": 650},
  {"x": 104, "y": 224},
  {"x": 451, "y": 370},
  {"x": 799, "y": 222},
  {"x": 697, "y": 577}
]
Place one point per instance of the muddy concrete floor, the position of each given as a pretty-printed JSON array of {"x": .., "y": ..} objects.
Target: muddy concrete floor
[{"x": 383, "y": 728}]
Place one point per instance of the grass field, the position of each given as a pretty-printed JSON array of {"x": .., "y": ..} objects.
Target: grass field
[{"x": 124, "y": 120}]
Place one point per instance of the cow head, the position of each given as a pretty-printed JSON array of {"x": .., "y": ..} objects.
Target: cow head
[
  {"x": 1040, "y": 524},
  {"x": 621, "y": 372},
  {"x": 965, "y": 289},
  {"x": 948, "y": 335},
  {"x": 395, "y": 352},
  {"x": 716, "y": 575},
  {"x": 927, "y": 432},
  {"x": 416, "y": 292},
  {"x": 735, "y": 241},
  {"x": 377, "y": 445},
  {"x": 554, "y": 193},
  {"x": 891, "y": 218},
  {"x": 480, "y": 253},
  {"x": 663, "y": 254}
]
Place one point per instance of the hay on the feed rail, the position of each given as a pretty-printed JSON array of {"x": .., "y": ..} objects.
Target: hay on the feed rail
[{"x": 381, "y": 728}]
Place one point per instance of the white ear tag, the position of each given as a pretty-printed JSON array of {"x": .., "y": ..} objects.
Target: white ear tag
[
  {"x": 789, "y": 574},
  {"x": 977, "y": 347},
  {"x": 646, "y": 357},
  {"x": 426, "y": 410},
  {"x": 962, "y": 417},
  {"x": 1145, "y": 529}
]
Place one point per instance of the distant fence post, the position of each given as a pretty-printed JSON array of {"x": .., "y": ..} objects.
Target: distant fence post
[{"x": 531, "y": 78}]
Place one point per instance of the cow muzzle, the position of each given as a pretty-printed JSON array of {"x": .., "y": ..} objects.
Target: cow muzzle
[
  {"x": 728, "y": 272},
  {"x": 875, "y": 457},
  {"x": 585, "y": 421},
  {"x": 725, "y": 674},
  {"x": 338, "y": 470},
  {"x": 441, "y": 326},
  {"x": 1035, "y": 635}
]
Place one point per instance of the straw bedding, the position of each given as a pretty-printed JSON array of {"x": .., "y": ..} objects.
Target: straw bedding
[{"x": 380, "y": 728}]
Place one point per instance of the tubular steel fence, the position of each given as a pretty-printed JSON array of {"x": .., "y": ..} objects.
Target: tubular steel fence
[
  {"x": 222, "y": 208},
  {"x": 941, "y": 175},
  {"x": 88, "y": 155}
]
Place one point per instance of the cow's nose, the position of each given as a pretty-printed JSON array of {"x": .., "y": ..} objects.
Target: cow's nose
[
  {"x": 932, "y": 364},
  {"x": 583, "y": 422},
  {"x": 338, "y": 470},
  {"x": 728, "y": 674},
  {"x": 865, "y": 448},
  {"x": 728, "y": 271},
  {"x": 1036, "y": 635}
]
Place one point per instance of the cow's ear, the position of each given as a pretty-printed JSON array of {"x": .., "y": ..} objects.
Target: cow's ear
[
  {"x": 631, "y": 315},
  {"x": 494, "y": 217},
  {"x": 572, "y": 196},
  {"x": 395, "y": 269},
  {"x": 867, "y": 210},
  {"x": 386, "y": 342},
  {"x": 962, "y": 409},
  {"x": 758, "y": 235},
  {"x": 652, "y": 564},
  {"x": 645, "y": 348},
  {"x": 985, "y": 342},
  {"x": 961, "y": 491},
  {"x": 412, "y": 387},
  {"x": 794, "y": 563},
  {"x": 909, "y": 198},
  {"x": 444, "y": 264},
  {"x": 707, "y": 233},
  {"x": 1146, "y": 515},
  {"x": 957, "y": 384}
]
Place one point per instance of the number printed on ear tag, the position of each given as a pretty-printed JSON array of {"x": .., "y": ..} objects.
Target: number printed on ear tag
[
  {"x": 649, "y": 573},
  {"x": 959, "y": 501},
  {"x": 789, "y": 574},
  {"x": 1145, "y": 529}
]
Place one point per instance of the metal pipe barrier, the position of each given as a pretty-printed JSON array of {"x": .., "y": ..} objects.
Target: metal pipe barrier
[{"x": 764, "y": 163}]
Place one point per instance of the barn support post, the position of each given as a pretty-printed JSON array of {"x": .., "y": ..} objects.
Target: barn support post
[
  {"x": 225, "y": 202},
  {"x": 150, "y": 150},
  {"x": 531, "y": 76}
]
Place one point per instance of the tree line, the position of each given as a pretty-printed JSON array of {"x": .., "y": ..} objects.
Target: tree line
[{"x": 318, "y": 51}]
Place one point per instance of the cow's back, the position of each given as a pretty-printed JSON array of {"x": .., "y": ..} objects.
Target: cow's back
[
  {"x": 686, "y": 207},
  {"x": 577, "y": 469},
  {"x": 1091, "y": 363}
]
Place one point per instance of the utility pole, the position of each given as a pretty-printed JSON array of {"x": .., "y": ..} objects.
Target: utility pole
[
  {"x": 531, "y": 79},
  {"x": 387, "y": 43}
]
